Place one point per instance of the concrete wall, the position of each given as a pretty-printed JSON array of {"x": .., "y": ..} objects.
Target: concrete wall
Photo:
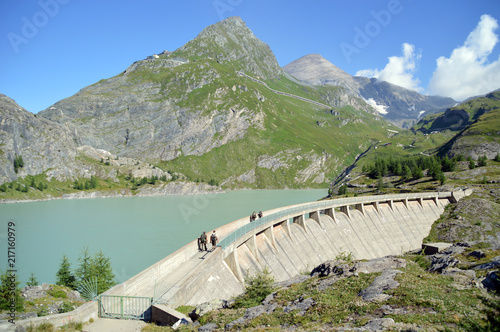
[{"x": 366, "y": 227}]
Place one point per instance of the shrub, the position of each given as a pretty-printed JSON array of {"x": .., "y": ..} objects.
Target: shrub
[
  {"x": 65, "y": 307},
  {"x": 257, "y": 287},
  {"x": 482, "y": 161},
  {"x": 57, "y": 293}
]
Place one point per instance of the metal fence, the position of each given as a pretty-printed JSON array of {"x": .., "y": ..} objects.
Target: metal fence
[
  {"x": 278, "y": 216},
  {"x": 125, "y": 307}
]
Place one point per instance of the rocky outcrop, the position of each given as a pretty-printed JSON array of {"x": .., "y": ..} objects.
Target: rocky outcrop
[
  {"x": 231, "y": 41},
  {"x": 42, "y": 144}
]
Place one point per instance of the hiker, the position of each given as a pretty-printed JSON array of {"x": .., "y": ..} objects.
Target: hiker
[
  {"x": 260, "y": 214},
  {"x": 203, "y": 241},
  {"x": 254, "y": 215},
  {"x": 214, "y": 239}
]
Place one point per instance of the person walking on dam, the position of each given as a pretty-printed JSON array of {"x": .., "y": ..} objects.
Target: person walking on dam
[
  {"x": 214, "y": 239},
  {"x": 203, "y": 241}
]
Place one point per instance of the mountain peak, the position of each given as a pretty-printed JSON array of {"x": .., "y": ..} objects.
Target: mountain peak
[
  {"x": 231, "y": 42},
  {"x": 316, "y": 70}
]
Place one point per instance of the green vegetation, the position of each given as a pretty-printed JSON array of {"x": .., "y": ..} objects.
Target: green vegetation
[
  {"x": 64, "y": 276},
  {"x": 257, "y": 287},
  {"x": 10, "y": 292},
  {"x": 18, "y": 163},
  {"x": 98, "y": 268},
  {"x": 32, "y": 281}
]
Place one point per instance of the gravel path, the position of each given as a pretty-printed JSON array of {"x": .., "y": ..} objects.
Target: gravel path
[{"x": 114, "y": 325}]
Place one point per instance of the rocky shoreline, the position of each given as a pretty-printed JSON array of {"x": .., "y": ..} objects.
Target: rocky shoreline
[{"x": 169, "y": 189}]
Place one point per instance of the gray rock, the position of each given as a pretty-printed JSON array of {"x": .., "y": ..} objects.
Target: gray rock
[
  {"x": 493, "y": 264},
  {"x": 379, "y": 324},
  {"x": 269, "y": 298},
  {"x": 438, "y": 264},
  {"x": 302, "y": 305},
  {"x": 252, "y": 313},
  {"x": 295, "y": 280},
  {"x": 208, "y": 327},
  {"x": 336, "y": 267},
  {"x": 203, "y": 308},
  {"x": 492, "y": 281},
  {"x": 385, "y": 281},
  {"x": 477, "y": 254},
  {"x": 20, "y": 328}
]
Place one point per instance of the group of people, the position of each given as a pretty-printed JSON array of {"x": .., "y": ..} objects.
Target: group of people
[
  {"x": 202, "y": 241},
  {"x": 254, "y": 215}
]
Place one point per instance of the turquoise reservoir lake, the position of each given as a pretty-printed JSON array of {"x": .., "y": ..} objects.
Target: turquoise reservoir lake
[{"x": 134, "y": 232}]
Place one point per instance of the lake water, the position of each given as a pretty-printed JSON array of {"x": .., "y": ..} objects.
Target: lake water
[{"x": 134, "y": 232}]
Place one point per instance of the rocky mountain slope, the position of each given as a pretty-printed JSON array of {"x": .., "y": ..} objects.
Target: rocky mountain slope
[
  {"x": 190, "y": 111},
  {"x": 400, "y": 105},
  {"x": 44, "y": 146},
  {"x": 477, "y": 123}
]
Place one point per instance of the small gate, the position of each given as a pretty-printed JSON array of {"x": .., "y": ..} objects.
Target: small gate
[{"x": 125, "y": 307}]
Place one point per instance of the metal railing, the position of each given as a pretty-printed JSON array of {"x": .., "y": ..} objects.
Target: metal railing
[
  {"x": 125, "y": 307},
  {"x": 309, "y": 207}
]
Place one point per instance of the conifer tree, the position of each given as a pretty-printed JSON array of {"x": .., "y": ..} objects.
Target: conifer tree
[
  {"x": 10, "y": 292},
  {"x": 406, "y": 173},
  {"x": 64, "y": 275},
  {"x": 32, "y": 280}
]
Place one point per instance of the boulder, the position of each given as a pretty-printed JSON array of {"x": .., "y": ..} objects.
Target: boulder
[
  {"x": 252, "y": 313},
  {"x": 492, "y": 281},
  {"x": 493, "y": 264},
  {"x": 301, "y": 304},
  {"x": 477, "y": 254},
  {"x": 203, "y": 308},
  {"x": 208, "y": 327},
  {"x": 385, "y": 281},
  {"x": 438, "y": 264}
]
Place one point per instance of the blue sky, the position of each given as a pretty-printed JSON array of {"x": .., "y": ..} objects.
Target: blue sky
[{"x": 50, "y": 49}]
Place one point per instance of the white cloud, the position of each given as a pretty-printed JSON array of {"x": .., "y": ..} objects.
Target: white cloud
[
  {"x": 399, "y": 70},
  {"x": 466, "y": 72}
]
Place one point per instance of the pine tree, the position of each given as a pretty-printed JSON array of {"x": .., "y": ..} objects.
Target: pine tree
[
  {"x": 417, "y": 173},
  {"x": 10, "y": 292},
  {"x": 84, "y": 270},
  {"x": 472, "y": 163},
  {"x": 406, "y": 173},
  {"x": 98, "y": 267},
  {"x": 497, "y": 157},
  {"x": 101, "y": 269},
  {"x": 343, "y": 189},
  {"x": 482, "y": 161},
  {"x": 32, "y": 281},
  {"x": 441, "y": 178},
  {"x": 64, "y": 275}
]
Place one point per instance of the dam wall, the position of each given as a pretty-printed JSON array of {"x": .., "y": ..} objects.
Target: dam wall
[
  {"x": 287, "y": 241},
  {"x": 363, "y": 228}
]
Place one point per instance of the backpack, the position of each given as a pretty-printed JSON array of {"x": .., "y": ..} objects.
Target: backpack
[
  {"x": 213, "y": 237},
  {"x": 203, "y": 238}
]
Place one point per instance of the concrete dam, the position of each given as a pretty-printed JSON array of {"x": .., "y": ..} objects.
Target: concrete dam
[{"x": 287, "y": 241}]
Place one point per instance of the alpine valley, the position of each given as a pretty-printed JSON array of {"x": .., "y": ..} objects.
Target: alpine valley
[{"x": 219, "y": 112}]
